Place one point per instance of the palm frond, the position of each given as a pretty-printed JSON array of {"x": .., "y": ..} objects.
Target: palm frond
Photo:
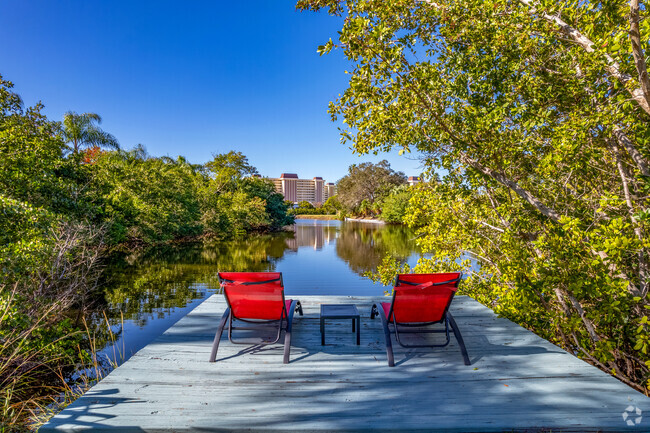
[{"x": 81, "y": 130}]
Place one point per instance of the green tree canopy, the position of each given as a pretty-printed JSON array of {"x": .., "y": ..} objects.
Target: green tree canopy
[
  {"x": 332, "y": 205},
  {"x": 234, "y": 201},
  {"x": 305, "y": 205},
  {"x": 538, "y": 113},
  {"x": 81, "y": 130},
  {"x": 145, "y": 198},
  {"x": 395, "y": 204},
  {"x": 31, "y": 154},
  {"x": 227, "y": 169},
  {"x": 369, "y": 182}
]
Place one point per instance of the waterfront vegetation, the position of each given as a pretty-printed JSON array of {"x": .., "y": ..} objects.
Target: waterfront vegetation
[
  {"x": 533, "y": 114},
  {"x": 361, "y": 192},
  {"x": 307, "y": 208},
  {"x": 67, "y": 194},
  {"x": 536, "y": 115},
  {"x": 367, "y": 191}
]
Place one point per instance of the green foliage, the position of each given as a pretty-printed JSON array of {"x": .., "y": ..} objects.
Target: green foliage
[
  {"x": 25, "y": 239},
  {"x": 159, "y": 199},
  {"x": 275, "y": 206},
  {"x": 367, "y": 184},
  {"x": 47, "y": 270},
  {"x": 54, "y": 207},
  {"x": 306, "y": 205},
  {"x": 233, "y": 204},
  {"x": 393, "y": 206},
  {"x": 227, "y": 170},
  {"x": 32, "y": 167},
  {"x": 147, "y": 199},
  {"x": 306, "y": 208},
  {"x": 332, "y": 205},
  {"x": 538, "y": 114},
  {"x": 81, "y": 130}
]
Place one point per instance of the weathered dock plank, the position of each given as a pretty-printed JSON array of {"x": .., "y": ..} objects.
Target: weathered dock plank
[{"x": 517, "y": 382}]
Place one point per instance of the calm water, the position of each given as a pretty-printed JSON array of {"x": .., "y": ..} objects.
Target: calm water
[{"x": 148, "y": 291}]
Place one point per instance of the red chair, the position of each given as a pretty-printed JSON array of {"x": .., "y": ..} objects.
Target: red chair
[
  {"x": 257, "y": 298},
  {"x": 420, "y": 300}
]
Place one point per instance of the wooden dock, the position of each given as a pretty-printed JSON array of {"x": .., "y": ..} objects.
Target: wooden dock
[{"x": 517, "y": 382}]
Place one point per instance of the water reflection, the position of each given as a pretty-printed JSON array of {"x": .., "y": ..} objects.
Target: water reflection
[
  {"x": 153, "y": 288},
  {"x": 313, "y": 233},
  {"x": 363, "y": 246},
  {"x": 148, "y": 283}
]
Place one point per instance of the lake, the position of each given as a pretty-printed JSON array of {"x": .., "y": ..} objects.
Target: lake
[{"x": 149, "y": 290}]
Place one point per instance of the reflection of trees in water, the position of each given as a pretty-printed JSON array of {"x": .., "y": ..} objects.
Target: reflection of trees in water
[
  {"x": 256, "y": 253},
  {"x": 363, "y": 246},
  {"x": 150, "y": 282},
  {"x": 157, "y": 279}
]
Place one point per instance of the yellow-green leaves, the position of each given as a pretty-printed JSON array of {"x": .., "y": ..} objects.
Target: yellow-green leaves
[
  {"x": 325, "y": 49},
  {"x": 543, "y": 150}
]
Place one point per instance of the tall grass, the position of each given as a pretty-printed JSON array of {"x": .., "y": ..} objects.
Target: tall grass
[
  {"x": 43, "y": 333},
  {"x": 26, "y": 376},
  {"x": 86, "y": 372}
]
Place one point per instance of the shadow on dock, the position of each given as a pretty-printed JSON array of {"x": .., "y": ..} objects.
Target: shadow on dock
[{"x": 517, "y": 382}]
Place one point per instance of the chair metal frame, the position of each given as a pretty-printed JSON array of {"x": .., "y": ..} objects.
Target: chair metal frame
[
  {"x": 447, "y": 318},
  {"x": 228, "y": 318}
]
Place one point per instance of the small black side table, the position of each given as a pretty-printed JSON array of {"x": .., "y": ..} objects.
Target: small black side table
[{"x": 339, "y": 311}]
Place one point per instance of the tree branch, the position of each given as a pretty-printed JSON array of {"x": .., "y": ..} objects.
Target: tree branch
[
  {"x": 581, "y": 312},
  {"x": 637, "y": 51},
  {"x": 612, "y": 65},
  {"x": 639, "y": 159},
  {"x": 643, "y": 263},
  {"x": 521, "y": 192}
]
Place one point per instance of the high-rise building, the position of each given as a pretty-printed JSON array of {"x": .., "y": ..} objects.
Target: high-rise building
[
  {"x": 328, "y": 191},
  {"x": 315, "y": 190}
]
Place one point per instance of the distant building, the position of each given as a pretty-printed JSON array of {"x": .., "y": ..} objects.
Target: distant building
[
  {"x": 329, "y": 190},
  {"x": 412, "y": 180},
  {"x": 315, "y": 190}
]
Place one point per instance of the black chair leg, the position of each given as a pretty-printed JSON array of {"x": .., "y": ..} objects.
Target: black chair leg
[
  {"x": 459, "y": 338},
  {"x": 389, "y": 345},
  {"x": 217, "y": 337},
  {"x": 287, "y": 347},
  {"x": 295, "y": 305}
]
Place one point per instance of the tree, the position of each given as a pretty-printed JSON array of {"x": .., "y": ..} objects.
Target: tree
[
  {"x": 31, "y": 154},
  {"x": 234, "y": 200},
  {"x": 147, "y": 199},
  {"x": 394, "y": 206},
  {"x": 307, "y": 208},
  {"x": 47, "y": 266},
  {"x": 275, "y": 205},
  {"x": 82, "y": 131},
  {"x": 538, "y": 113},
  {"x": 305, "y": 205},
  {"x": 228, "y": 169},
  {"x": 369, "y": 182},
  {"x": 332, "y": 205}
]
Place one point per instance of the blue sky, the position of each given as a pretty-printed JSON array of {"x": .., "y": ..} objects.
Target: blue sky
[{"x": 189, "y": 78}]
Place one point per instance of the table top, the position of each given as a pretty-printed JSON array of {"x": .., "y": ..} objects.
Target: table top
[{"x": 338, "y": 310}]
